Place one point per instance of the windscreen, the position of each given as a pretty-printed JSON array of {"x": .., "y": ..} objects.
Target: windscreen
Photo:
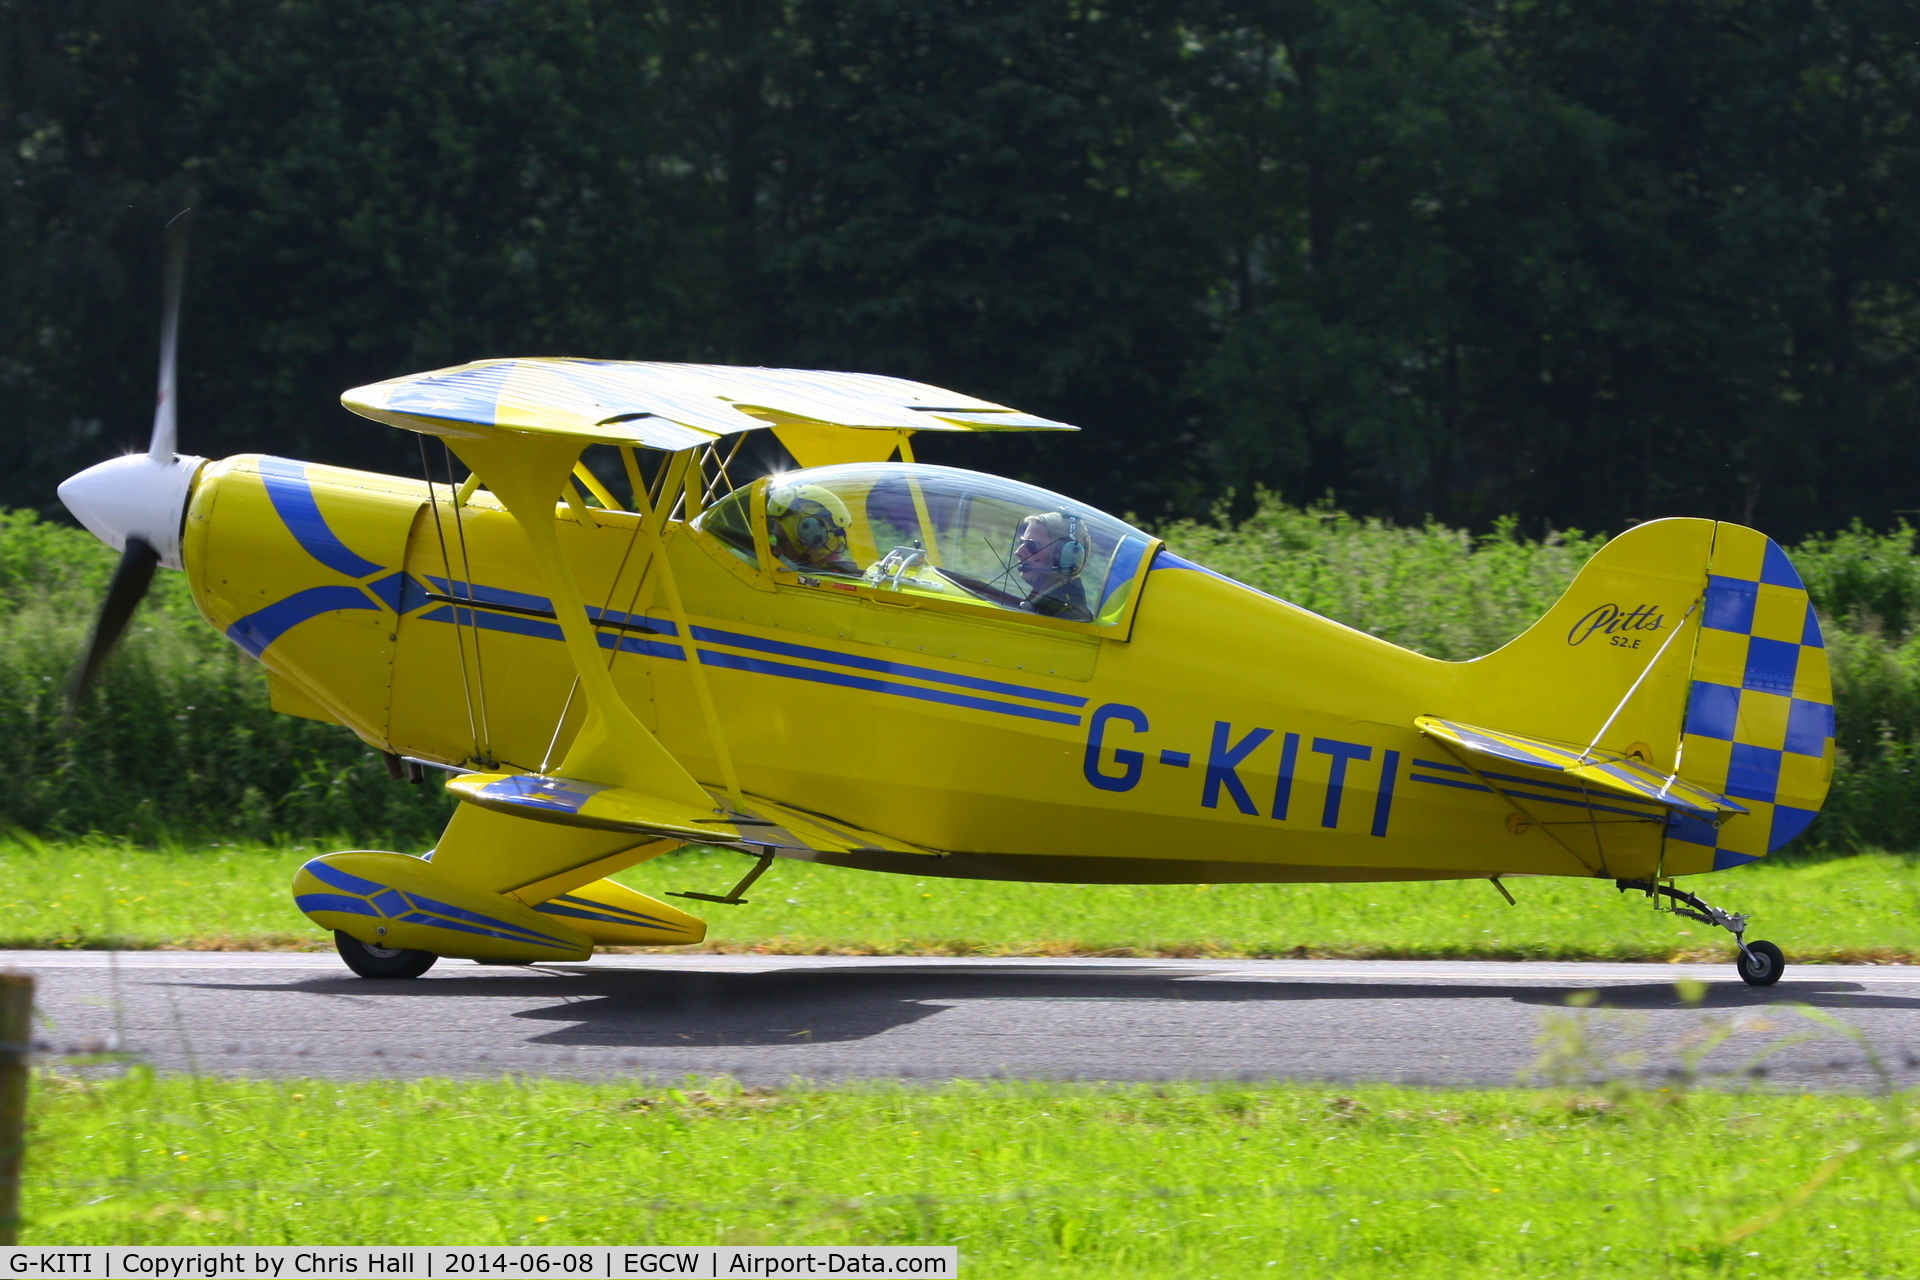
[{"x": 939, "y": 531}]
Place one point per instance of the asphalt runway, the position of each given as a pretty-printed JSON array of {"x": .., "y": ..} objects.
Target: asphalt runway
[{"x": 770, "y": 1019}]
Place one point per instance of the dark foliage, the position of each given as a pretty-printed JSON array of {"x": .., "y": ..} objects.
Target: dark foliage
[{"x": 1586, "y": 263}]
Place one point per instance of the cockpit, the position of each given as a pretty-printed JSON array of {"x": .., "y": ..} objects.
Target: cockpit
[{"x": 935, "y": 532}]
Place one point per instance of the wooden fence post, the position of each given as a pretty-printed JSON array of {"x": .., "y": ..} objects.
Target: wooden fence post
[{"x": 16, "y": 1036}]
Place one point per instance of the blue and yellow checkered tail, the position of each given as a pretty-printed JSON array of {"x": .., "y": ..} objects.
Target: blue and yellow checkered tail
[{"x": 1759, "y": 718}]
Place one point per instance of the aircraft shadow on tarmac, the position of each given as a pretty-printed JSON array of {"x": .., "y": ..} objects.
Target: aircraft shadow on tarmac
[
  {"x": 676, "y": 1008},
  {"x": 1724, "y": 995}
]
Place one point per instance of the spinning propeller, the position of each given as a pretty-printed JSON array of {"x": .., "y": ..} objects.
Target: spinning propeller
[{"x": 136, "y": 504}]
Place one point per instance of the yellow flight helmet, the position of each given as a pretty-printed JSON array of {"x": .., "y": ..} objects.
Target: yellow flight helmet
[{"x": 811, "y": 516}]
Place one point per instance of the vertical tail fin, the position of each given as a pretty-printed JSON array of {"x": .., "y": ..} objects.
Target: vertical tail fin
[{"x": 1690, "y": 646}]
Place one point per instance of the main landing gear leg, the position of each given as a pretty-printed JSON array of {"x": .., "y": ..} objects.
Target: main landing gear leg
[{"x": 1760, "y": 963}]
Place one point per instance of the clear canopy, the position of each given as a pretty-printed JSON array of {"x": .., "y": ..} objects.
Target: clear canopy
[{"x": 937, "y": 531}]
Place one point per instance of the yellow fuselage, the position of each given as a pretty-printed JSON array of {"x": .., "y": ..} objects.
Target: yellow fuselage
[{"x": 1223, "y": 736}]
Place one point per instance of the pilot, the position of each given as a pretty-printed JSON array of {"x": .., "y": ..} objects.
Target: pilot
[
  {"x": 1049, "y": 554},
  {"x": 807, "y": 529}
]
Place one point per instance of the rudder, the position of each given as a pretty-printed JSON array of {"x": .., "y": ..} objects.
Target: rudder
[{"x": 1759, "y": 721}]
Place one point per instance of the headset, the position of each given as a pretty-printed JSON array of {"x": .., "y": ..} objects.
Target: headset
[
  {"x": 1069, "y": 550},
  {"x": 813, "y": 532}
]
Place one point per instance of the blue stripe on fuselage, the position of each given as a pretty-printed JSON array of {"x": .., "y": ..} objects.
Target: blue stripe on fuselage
[
  {"x": 263, "y": 626},
  {"x": 292, "y": 497},
  {"x": 884, "y": 667},
  {"x": 760, "y": 666}
]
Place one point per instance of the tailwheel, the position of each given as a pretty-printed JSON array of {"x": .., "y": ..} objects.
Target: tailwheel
[
  {"x": 1760, "y": 964},
  {"x": 381, "y": 962}
]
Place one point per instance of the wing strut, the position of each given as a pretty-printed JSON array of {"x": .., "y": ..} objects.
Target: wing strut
[{"x": 527, "y": 473}]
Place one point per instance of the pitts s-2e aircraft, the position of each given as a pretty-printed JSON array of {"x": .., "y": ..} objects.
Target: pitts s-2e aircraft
[{"x": 616, "y": 649}]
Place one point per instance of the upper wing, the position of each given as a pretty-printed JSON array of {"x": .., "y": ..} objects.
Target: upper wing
[{"x": 666, "y": 406}]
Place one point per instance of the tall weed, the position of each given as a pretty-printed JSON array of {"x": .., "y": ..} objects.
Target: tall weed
[
  {"x": 1438, "y": 591},
  {"x": 177, "y": 738}
]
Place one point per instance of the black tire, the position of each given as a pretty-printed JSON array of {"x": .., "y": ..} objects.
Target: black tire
[
  {"x": 381, "y": 962},
  {"x": 1761, "y": 964}
]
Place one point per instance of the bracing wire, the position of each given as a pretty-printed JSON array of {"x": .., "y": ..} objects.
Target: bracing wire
[
  {"x": 657, "y": 490},
  {"x": 647, "y": 498},
  {"x": 689, "y": 485},
  {"x": 553, "y": 743},
  {"x": 466, "y": 569},
  {"x": 1466, "y": 762},
  {"x": 711, "y": 491},
  {"x": 613, "y": 583},
  {"x": 679, "y": 508},
  {"x": 1593, "y": 824},
  {"x": 1007, "y": 567},
  {"x": 1645, "y": 671},
  {"x": 446, "y": 567},
  {"x": 643, "y": 496},
  {"x": 709, "y": 455}
]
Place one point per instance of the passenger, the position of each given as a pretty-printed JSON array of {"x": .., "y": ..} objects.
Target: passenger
[
  {"x": 1049, "y": 554},
  {"x": 807, "y": 529}
]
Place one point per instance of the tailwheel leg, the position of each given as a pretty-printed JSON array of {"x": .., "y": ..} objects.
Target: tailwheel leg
[{"x": 1760, "y": 964}]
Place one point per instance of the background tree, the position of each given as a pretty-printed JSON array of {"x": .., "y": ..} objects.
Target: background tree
[{"x": 1589, "y": 264}]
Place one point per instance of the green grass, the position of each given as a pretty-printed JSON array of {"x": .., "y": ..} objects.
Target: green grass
[
  {"x": 1867, "y": 908},
  {"x": 1026, "y": 1180},
  {"x": 102, "y": 893}
]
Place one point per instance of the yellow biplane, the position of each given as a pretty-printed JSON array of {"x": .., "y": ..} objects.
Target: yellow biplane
[{"x": 617, "y": 640}]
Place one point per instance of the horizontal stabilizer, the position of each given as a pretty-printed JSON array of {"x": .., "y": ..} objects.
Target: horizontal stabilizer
[
  {"x": 571, "y": 802},
  {"x": 1600, "y": 769}
]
